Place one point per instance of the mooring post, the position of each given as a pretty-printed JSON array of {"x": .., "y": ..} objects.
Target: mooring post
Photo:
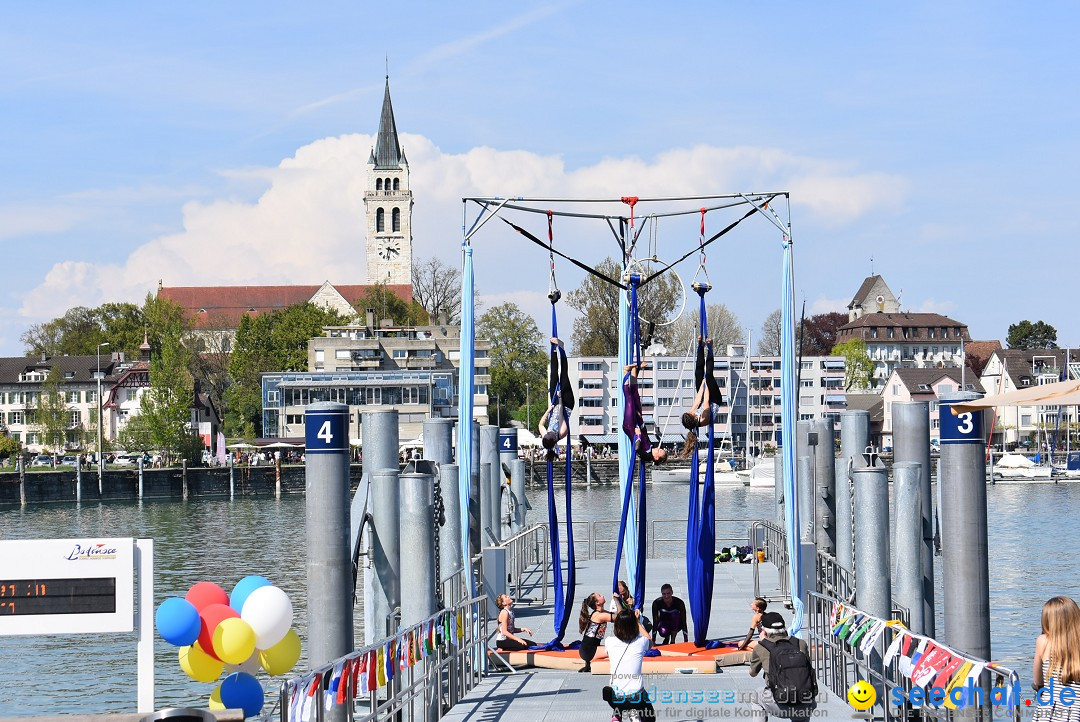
[
  {"x": 476, "y": 525},
  {"x": 489, "y": 482},
  {"x": 183, "y": 476},
  {"x": 508, "y": 451},
  {"x": 379, "y": 442},
  {"x": 418, "y": 576},
  {"x": 778, "y": 487},
  {"x": 438, "y": 440},
  {"x": 873, "y": 588},
  {"x": 907, "y": 489},
  {"x": 825, "y": 475},
  {"x": 141, "y": 466},
  {"x": 450, "y": 558},
  {"x": 854, "y": 438},
  {"x": 965, "y": 563},
  {"x": 78, "y": 483},
  {"x": 232, "y": 480},
  {"x": 517, "y": 494},
  {"x": 329, "y": 558},
  {"x": 805, "y": 468},
  {"x": 911, "y": 443}
]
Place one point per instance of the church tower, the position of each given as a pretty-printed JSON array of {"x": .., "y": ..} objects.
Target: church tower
[{"x": 388, "y": 203}]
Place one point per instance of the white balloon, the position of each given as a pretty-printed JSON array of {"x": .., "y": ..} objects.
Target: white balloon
[
  {"x": 251, "y": 665},
  {"x": 270, "y": 614}
]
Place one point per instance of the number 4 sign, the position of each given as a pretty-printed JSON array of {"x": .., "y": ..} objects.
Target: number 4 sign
[{"x": 326, "y": 430}]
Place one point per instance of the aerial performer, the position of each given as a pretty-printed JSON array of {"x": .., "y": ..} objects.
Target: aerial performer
[
  {"x": 555, "y": 423},
  {"x": 706, "y": 402},
  {"x": 633, "y": 424}
]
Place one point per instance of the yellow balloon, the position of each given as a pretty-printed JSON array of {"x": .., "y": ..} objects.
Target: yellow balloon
[
  {"x": 280, "y": 658},
  {"x": 234, "y": 640},
  {"x": 199, "y": 665},
  {"x": 215, "y": 699}
]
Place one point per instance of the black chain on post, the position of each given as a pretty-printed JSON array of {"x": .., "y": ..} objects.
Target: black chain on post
[{"x": 440, "y": 519}]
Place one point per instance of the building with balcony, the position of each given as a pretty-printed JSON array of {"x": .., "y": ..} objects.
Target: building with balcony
[
  {"x": 930, "y": 385},
  {"x": 1016, "y": 369},
  {"x": 907, "y": 340},
  {"x": 411, "y": 369},
  {"x": 749, "y": 416}
]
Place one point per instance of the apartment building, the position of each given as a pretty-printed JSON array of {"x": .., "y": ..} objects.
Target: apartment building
[
  {"x": 411, "y": 369},
  {"x": 749, "y": 410},
  {"x": 1015, "y": 369}
]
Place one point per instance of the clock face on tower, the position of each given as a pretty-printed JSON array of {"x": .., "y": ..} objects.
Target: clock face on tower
[{"x": 390, "y": 249}]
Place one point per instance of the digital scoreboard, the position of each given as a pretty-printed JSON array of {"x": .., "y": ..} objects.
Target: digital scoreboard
[{"x": 66, "y": 586}]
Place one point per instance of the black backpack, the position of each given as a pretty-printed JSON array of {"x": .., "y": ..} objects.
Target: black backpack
[{"x": 791, "y": 675}]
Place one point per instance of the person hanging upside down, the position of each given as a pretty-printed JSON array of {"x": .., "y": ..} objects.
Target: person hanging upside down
[
  {"x": 706, "y": 403},
  {"x": 633, "y": 424},
  {"x": 555, "y": 423}
]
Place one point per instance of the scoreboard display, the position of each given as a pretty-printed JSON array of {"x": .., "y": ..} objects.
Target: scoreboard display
[{"x": 66, "y": 586}]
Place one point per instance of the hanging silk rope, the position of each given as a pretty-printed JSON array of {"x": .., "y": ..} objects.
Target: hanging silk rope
[
  {"x": 788, "y": 406},
  {"x": 564, "y": 595},
  {"x": 701, "y": 515},
  {"x": 637, "y": 575}
]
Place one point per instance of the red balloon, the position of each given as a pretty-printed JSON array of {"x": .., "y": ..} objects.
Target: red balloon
[
  {"x": 203, "y": 594},
  {"x": 211, "y": 617}
]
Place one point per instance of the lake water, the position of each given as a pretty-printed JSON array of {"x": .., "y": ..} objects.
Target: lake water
[{"x": 1032, "y": 538}]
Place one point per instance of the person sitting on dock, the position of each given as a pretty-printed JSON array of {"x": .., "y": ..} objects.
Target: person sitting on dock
[
  {"x": 706, "y": 402},
  {"x": 505, "y": 638},
  {"x": 626, "y": 650},
  {"x": 790, "y": 684},
  {"x": 758, "y": 607},
  {"x": 633, "y": 424},
  {"x": 592, "y": 623},
  {"x": 621, "y": 599},
  {"x": 669, "y": 616},
  {"x": 555, "y": 423}
]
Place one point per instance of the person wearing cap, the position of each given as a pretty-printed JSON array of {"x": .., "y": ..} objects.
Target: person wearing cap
[{"x": 774, "y": 629}]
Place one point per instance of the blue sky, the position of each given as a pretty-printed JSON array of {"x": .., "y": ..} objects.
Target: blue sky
[{"x": 215, "y": 143}]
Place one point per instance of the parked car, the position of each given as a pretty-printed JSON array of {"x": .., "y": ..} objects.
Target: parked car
[
  {"x": 126, "y": 460},
  {"x": 42, "y": 460},
  {"x": 69, "y": 461}
]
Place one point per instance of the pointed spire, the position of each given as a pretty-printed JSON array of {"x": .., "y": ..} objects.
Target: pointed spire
[{"x": 387, "y": 152}]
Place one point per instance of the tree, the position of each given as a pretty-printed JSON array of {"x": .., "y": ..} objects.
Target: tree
[
  {"x": 596, "y": 331},
  {"x": 517, "y": 357},
  {"x": 437, "y": 288},
  {"x": 859, "y": 367},
  {"x": 769, "y": 342},
  {"x": 1028, "y": 335},
  {"x": 818, "y": 333},
  {"x": 53, "y": 417},
  {"x": 724, "y": 329},
  {"x": 165, "y": 415},
  {"x": 79, "y": 331},
  {"x": 387, "y": 304},
  {"x": 8, "y": 447}
]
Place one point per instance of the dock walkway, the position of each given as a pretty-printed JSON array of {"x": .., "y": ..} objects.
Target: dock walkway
[{"x": 561, "y": 696}]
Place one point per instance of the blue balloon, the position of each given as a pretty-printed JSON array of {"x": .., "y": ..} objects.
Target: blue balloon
[
  {"x": 244, "y": 588},
  {"x": 177, "y": 621},
  {"x": 242, "y": 691}
]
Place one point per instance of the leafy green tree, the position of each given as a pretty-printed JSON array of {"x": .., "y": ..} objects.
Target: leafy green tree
[
  {"x": 387, "y": 305},
  {"x": 8, "y": 447},
  {"x": 166, "y": 405},
  {"x": 596, "y": 331},
  {"x": 79, "y": 331},
  {"x": 1028, "y": 335},
  {"x": 517, "y": 358},
  {"x": 859, "y": 367},
  {"x": 53, "y": 416}
]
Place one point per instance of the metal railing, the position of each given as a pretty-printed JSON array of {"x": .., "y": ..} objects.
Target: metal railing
[
  {"x": 834, "y": 580},
  {"x": 528, "y": 561},
  {"x": 773, "y": 540},
  {"x": 428, "y": 688},
  {"x": 839, "y": 665},
  {"x": 601, "y": 536}
]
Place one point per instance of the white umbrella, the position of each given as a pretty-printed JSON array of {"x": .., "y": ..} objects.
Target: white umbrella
[
  {"x": 240, "y": 445},
  {"x": 281, "y": 445}
]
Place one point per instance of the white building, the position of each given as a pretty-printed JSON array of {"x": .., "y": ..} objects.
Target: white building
[{"x": 1015, "y": 369}]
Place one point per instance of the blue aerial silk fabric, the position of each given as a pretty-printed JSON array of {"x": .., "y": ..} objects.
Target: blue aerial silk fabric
[
  {"x": 701, "y": 523},
  {"x": 789, "y": 413},
  {"x": 466, "y": 378}
]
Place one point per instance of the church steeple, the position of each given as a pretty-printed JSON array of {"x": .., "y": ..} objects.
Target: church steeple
[{"x": 387, "y": 154}]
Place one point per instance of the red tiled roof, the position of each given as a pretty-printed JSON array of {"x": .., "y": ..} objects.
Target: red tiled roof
[{"x": 225, "y": 305}]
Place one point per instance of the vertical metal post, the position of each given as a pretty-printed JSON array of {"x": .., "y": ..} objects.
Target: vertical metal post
[
  {"x": 22, "y": 480},
  {"x": 418, "y": 573},
  {"x": 78, "y": 479},
  {"x": 907, "y": 489},
  {"x": 450, "y": 557},
  {"x": 144, "y": 648},
  {"x": 911, "y": 443},
  {"x": 329, "y": 558},
  {"x": 379, "y": 442},
  {"x": 384, "y": 594},
  {"x": 805, "y": 469},
  {"x": 489, "y": 492},
  {"x": 232, "y": 479},
  {"x": 438, "y": 440},
  {"x": 873, "y": 586},
  {"x": 854, "y": 438},
  {"x": 141, "y": 465},
  {"x": 476, "y": 524},
  {"x": 964, "y": 546},
  {"x": 778, "y": 487},
  {"x": 825, "y": 476},
  {"x": 183, "y": 476},
  {"x": 504, "y": 505},
  {"x": 517, "y": 494}
]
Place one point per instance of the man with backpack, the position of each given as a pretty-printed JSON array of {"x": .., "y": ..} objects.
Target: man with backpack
[{"x": 790, "y": 683}]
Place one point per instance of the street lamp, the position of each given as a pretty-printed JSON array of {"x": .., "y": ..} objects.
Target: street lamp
[{"x": 98, "y": 376}]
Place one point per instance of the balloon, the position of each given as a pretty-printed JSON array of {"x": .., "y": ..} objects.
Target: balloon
[
  {"x": 199, "y": 665},
  {"x": 251, "y": 665},
  {"x": 203, "y": 594},
  {"x": 234, "y": 641},
  {"x": 280, "y": 658},
  {"x": 245, "y": 587},
  {"x": 242, "y": 691},
  {"x": 269, "y": 612},
  {"x": 177, "y": 621},
  {"x": 212, "y": 616},
  {"x": 215, "y": 699}
]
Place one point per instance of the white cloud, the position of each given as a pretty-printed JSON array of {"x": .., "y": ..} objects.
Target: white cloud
[
  {"x": 826, "y": 305},
  {"x": 32, "y": 220},
  {"x": 308, "y": 224},
  {"x": 931, "y": 305}
]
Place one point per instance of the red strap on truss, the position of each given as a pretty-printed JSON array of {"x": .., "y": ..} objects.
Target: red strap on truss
[{"x": 630, "y": 201}]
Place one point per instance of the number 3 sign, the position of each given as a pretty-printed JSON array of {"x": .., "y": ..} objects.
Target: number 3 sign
[{"x": 963, "y": 428}]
